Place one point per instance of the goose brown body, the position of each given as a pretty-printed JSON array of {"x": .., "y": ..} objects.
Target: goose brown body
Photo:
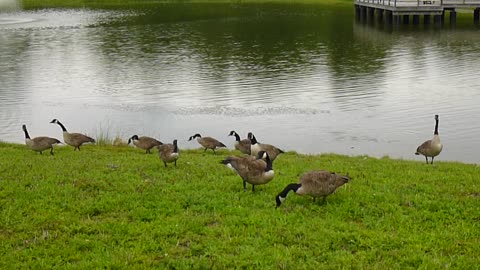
[
  {"x": 241, "y": 145},
  {"x": 207, "y": 142},
  {"x": 315, "y": 184},
  {"x": 169, "y": 152},
  {"x": 39, "y": 144},
  {"x": 252, "y": 170},
  {"x": 256, "y": 147},
  {"x": 73, "y": 139},
  {"x": 433, "y": 147},
  {"x": 144, "y": 142}
]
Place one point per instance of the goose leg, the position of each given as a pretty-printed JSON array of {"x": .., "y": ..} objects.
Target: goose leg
[
  {"x": 432, "y": 161},
  {"x": 314, "y": 199},
  {"x": 175, "y": 163},
  {"x": 78, "y": 148},
  {"x": 51, "y": 151},
  {"x": 41, "y": 153},
  {"x": 205, "y": 150},
  {"x": 244, "y": 186},
  {"x": 165, "y": 164},
  {"x": 324, "y": 200},
  {"x": 426, "y": 159},
  {"x": 253, "y": 188},
  {"x": 214, "y": 151}
]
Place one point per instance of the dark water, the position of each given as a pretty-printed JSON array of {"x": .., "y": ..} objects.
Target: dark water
[{"x": 302, "y": 77}]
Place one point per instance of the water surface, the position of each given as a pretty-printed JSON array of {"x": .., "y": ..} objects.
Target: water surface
[{"x": 303, "y": 77}]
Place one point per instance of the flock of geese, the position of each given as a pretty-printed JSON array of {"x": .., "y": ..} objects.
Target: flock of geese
[{"x": 254, "y": 167}]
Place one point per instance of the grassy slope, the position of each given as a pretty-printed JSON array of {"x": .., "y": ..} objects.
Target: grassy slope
[
  {"x": 141, "y": 3},
  {"x": 117, "y": 207}
]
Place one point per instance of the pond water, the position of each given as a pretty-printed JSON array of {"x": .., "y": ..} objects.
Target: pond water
[{"x": 306, "y": 78}]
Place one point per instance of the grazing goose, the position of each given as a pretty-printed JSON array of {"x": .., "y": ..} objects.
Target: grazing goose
[
  {"x": 315, "y": 184},
  {"x": 39, "y": 144},
  {"x": 168, "y": 152},
  {"x": 256, "y": 147},
  {"x": 241, "y": 145},
  {"x": 433, "y": 147},
  {"x": 144, "y": 142},
  {"x": 255, "y": 171},
  {"x": 74, "y": 139},
  {"x": 207, "y": 142}
]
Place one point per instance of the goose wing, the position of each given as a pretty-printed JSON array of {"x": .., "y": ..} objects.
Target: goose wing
[{"x": 81, "y": 138}]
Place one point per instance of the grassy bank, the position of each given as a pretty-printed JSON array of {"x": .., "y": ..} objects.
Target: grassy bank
[
  {"x": 30, "y": 4},
  {"x": 118, "y": 207}
]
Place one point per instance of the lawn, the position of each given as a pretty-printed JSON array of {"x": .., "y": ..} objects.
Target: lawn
[
  {"x": 117, "y": 207},
  {"x": 32, "y": 4}
]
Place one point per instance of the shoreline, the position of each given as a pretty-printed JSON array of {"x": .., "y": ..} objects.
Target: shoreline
[{"x": 119, "y": 143}]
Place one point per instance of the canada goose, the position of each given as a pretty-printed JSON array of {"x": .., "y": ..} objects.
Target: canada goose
[
  {"x": 39, "y": 144},
  {"x": 168, "y": 152},
  {"x": 207, "y": 142},
  {"x": 433, "y": 147},
  {"x": 144, "y": 142},
  {"x": 74, "y": 139},
  {"x": 315, "y": 184},
  {"x": 256, "y": 147},
  {"x": 241, "y": 145},
  {"x": 255, "y": 171}
]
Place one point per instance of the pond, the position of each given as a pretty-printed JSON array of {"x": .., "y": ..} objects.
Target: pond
[{"x": 306, "y": 78}]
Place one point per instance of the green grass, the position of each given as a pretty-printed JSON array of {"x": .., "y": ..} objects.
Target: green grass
[
  {"x": 116, "y": 207},
  {"x": 32, "y": 4}
]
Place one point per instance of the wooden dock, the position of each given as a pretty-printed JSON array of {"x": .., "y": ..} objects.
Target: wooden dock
[{"x": 399, "y": 11}]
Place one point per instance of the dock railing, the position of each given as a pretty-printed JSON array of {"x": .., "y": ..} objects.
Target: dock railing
[{"x": 421, "y": 3}]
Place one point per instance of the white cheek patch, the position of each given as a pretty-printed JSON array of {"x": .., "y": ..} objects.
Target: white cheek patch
[
  {"x": 231, "y": 167},
  {"x": 282, "y": 199}
]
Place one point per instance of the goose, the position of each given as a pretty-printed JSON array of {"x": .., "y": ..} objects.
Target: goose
[
  {"x": 168, "y": 153},
  {"x": 315, "y": 184},
  {"x": 207, "y": 142},
  {"x": 256, "y": 147},
  {"x": 433, "y": 147},
  {"x": 144, "y": 142},
  {"x": 39, "y": 144},
  {"x": 74, "y": 139},
  {"x": 241, "y": 145},
  {"x": 255, "y": 171}
]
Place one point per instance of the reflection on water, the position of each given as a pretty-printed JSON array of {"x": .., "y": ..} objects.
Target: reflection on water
[{"x": 303, "y": 77}]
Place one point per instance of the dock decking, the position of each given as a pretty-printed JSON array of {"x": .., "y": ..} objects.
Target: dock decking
[{"x": 437, "y": 8}]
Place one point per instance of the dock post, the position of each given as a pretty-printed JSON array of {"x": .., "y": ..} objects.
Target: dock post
[
  {"x": 380, "y": 15},
  {"x": 426, "y": 19},
  {"x": 476, "y": 15},
  {"x": 437, "y": 19},
  {"x": 357, "y": 12},
  {"x": 453, "y": 17},
  {"x": 396, "y": 19},
  {"x": 363, "y": 14},
  {"x": 442, "y": 17},
  {"x": 416, "y": 19},
  {"x": 371, "y": 14},
  {"x": 389, "y": 16},
  {"x": 406, "y": 19}
]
